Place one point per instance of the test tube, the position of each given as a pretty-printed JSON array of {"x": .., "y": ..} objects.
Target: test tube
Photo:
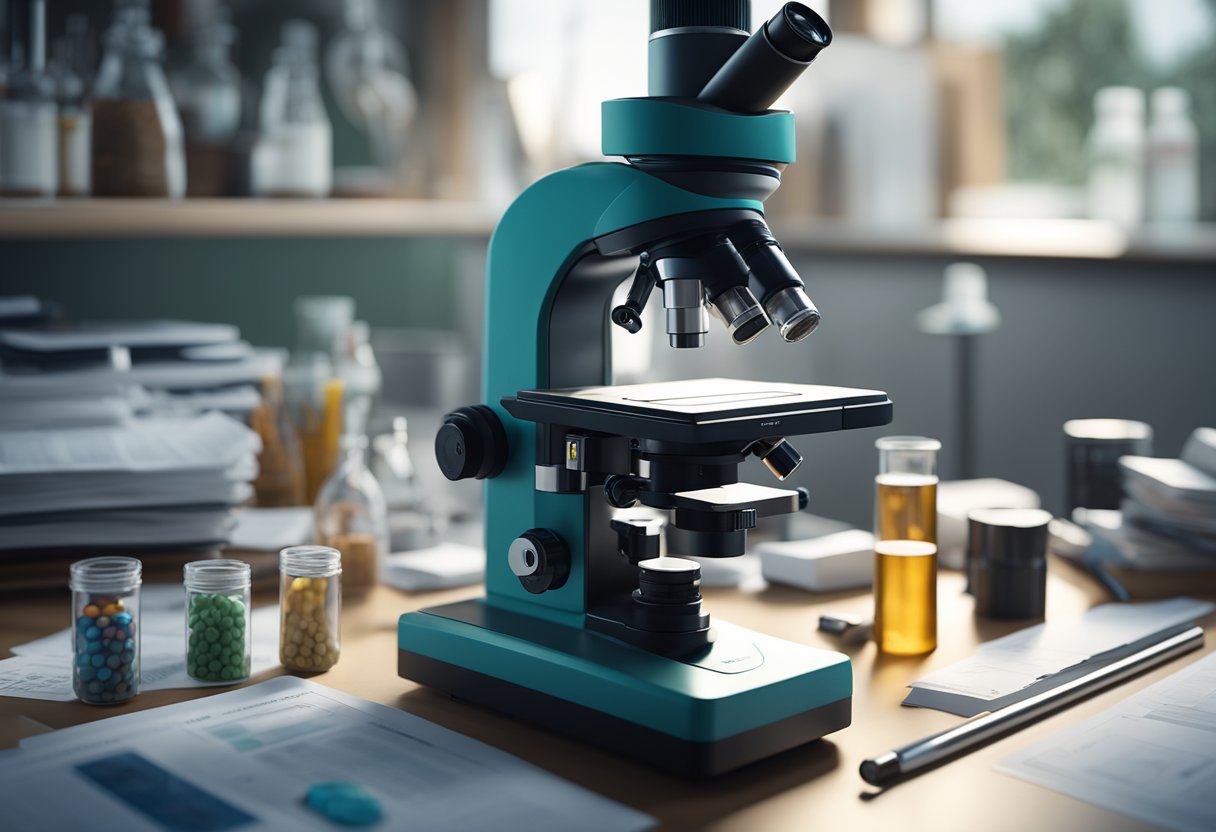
[{"x": 905, "y": 545}]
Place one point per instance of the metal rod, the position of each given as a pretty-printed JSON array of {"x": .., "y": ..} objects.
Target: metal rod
[{"x": 983, "y": 727}]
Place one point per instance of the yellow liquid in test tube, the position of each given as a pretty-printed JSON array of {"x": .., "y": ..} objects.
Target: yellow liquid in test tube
[
  {"x": 907, "y": 507},
  {"x": 905, "y": 596}
]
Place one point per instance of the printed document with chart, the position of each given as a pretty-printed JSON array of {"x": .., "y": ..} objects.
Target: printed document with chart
[{"x": 1152, "y": 756}]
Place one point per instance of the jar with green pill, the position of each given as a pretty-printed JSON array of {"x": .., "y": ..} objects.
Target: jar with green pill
[
  {"x": 217, "y": 620},
  {"x": 310, "y": 603}
]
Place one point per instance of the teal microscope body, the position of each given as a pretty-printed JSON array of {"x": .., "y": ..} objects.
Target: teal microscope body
[{"x": 745, "y": 695}]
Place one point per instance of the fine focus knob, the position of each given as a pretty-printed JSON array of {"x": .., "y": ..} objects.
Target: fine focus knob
[
  {"x": 540, "y": 559},
  {"x": 471, "y": 443}
]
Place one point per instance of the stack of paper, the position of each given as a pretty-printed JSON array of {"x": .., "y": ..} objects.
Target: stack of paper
[
  {"x": 145, "y": 482},
  {"x": 152, "y": 366},
  {"x": 245, "y": 759},
  {"x": 1175, "y": 498},
  {"x": 1037, "y": 658}
]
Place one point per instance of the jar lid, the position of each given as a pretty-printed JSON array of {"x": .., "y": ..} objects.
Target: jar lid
[
  {"x": 310, "y": 561},
  {"x": 1007, "y": 535},
  {"x": 219, "y": 575},
  {"x": 106, "y": 574}
]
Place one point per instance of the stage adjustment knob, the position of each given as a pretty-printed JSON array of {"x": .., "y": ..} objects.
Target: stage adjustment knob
[
  {"x": 471, "y": 443},
  {"x": 540, "y": 559}
]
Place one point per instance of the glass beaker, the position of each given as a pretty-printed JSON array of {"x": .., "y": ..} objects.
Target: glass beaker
[
  {"x": 280, "y": 480},
  {"x": 905, "y": 545},
  {"x": 906, "y": 499}
]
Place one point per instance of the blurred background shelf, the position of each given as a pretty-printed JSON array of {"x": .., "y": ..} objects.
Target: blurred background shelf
[
  {"x": 259, "y": 218},
  {"x": 133, "y": 218}
]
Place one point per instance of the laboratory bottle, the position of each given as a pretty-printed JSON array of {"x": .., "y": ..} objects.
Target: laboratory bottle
[
  {"x": 350, "y": 516},
  {"x": 218, "y": 636},
  {"x": 412, "y": 522},
  {"x": 105, "y": 629},
  {"x": 207, "y": 88},
  {"x": 70, "y": 72},
  {"x": 360, "y": 378},
  {"x": 1115, "y": 154},
  {"x": 1173, "y": 158},
  {"x": 905, "y": 545},
  {"x": 310, "y": 604},
  {"x": 368, "y": 73},
  {"x": 314, "y": 401},
  {"x": 293, "y": 154},
  {"x": 137, "y": 134},
  {"x": 280, "y": 480},
  {"x": 29, "y": 130}
]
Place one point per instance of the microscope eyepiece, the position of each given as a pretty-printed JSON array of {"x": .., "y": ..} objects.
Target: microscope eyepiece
[{"x": 769, "y": 61}]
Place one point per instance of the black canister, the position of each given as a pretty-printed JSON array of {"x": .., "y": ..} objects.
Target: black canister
[
  {"x": 1092, "y": 449},
  {"x": 1007, "y": 561}
]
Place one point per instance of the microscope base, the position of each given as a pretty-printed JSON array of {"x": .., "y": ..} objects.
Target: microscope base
[{"x": 747, "y": 697}]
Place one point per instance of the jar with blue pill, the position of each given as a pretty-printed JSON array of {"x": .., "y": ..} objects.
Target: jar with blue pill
[
  {"x": 105, "y": 629},
  {"x": 217, "y": 620}
]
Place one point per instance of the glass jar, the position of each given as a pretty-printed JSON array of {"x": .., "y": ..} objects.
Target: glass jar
[
  {"x": 29, "y": 132},
  {"x": 905, "y": 545},
  {"x": 310, "y": 603},
  {"x": 350, "y": 516},
  {"x": 138, "y": 147},
  {"x": 218, "y": 639},
  {"x": 105, "y": 629}
]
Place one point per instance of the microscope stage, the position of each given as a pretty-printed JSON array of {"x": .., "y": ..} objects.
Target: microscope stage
[{"x": 704, "y": 410}]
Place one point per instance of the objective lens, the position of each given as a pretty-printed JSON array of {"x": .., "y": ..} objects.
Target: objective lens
[
  {"x": 738, "y": 308},
  {"x": 793, "y": 313},
  {"x": 687, "y": 322},
  {"x": 774, "y": 280}
]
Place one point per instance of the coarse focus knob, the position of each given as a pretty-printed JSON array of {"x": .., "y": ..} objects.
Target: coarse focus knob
[
  {"x": 540, "y": 559},
  {"x": 471, "y": 443}
]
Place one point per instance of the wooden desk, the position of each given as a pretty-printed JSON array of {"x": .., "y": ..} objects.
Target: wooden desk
[{"x": 813, "y": 786}]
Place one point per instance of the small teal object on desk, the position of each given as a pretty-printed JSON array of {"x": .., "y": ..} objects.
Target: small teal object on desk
[{"x": 344, "y": 803}]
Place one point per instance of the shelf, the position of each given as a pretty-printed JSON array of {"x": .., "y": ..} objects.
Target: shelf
[
  {"x": 137, "y": 218},
  {"x": 1049, "y": 239}
]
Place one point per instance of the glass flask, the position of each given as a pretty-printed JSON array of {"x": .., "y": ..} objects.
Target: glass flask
[
  {"x": 314, "y": 401},
  {"x": 350, "y": 516},
  {"x": 293, "y": 155},
  {"x": 280, "y": 480},
  {"x": 412, "y": 522},
  {"x": 905, "y": 547},
  {"x": 137, "y": 135},
  {"x": 29, "y": 130},
  {"x": 310, "y": 604},
  {"x": 218, "y": 639},
  {"x": 105, "y": 629}
]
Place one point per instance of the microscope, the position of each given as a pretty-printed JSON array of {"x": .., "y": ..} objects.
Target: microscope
[{"x": 592, "y": 623}]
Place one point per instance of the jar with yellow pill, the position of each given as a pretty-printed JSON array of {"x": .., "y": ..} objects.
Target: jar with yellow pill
[
  {"x": 105, "y": 629},
  {"x": 310, "y": 603}
]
